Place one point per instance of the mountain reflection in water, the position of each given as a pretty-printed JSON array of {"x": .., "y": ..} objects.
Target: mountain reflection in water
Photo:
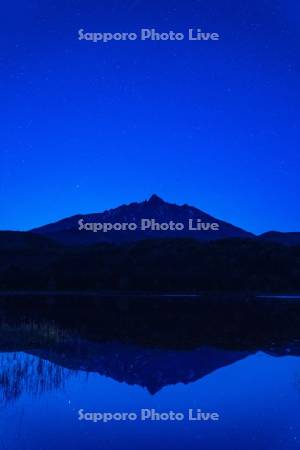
[{"x": 151, "y": 343}]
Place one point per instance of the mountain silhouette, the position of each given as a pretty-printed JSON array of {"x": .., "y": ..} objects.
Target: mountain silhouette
[
  {"x": 152, "y": 369},
  {"x": 147, "y": 342},
  {"x": 67, "y": 230},
  {"x": 290, "y": 239}
]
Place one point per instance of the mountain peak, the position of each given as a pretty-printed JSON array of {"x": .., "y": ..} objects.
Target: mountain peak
[{"x": 155, "y": 199}]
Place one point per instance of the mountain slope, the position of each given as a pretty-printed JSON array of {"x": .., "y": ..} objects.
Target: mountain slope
[{"x": 67, "y": 230}]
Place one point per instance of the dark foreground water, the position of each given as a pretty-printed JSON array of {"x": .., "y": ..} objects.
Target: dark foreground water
[{"x": 236, "y": 358}]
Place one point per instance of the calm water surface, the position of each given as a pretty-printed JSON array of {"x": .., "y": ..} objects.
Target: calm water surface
[{"x": 48, "y": 373}]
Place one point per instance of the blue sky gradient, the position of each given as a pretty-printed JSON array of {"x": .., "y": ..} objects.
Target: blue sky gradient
[{"x": 86, "y": 127}]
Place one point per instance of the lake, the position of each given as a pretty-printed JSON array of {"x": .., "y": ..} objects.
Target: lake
[{"x": 237, "y": 358}]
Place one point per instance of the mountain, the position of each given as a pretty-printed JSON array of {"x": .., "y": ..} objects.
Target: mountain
[
  {"x": 67, "y": 230},
  {"x": 149, "y": 368},
  {"x": 282, "y": 238},
  {"x": 61, "y": 256},
  {"x": 157, "y": 344}
]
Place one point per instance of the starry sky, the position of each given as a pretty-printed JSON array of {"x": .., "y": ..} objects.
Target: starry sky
[{"x": 86, "y": 127}]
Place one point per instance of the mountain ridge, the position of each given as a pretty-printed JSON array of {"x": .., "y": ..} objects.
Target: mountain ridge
[{"x": 66, "y": 230}]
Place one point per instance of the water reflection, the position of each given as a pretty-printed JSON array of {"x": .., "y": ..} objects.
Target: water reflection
[
  {"x": 238, "y": 357},
  {"x": 22, "y": 373},
  {"x": 47, "y": 348}
]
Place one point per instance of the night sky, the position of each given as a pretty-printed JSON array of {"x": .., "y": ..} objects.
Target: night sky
[{"x": 88, "y": 126}]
